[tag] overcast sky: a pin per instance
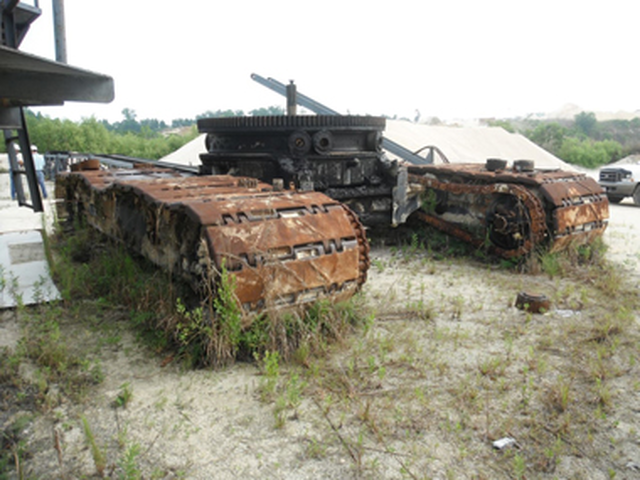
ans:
(445, 58)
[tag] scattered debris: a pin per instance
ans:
(506, 442)
(532, 303)
(633, 466)
(566, 313)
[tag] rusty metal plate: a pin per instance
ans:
(285, 281)
(576, 238)
(572, 219)
(578, 189)
(283, 248)
(267, 236)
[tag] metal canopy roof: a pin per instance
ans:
(28, 80)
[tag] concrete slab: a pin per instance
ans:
(24, 271)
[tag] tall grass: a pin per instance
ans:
(201, 331)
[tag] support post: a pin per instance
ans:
(59, 30)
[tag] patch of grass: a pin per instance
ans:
(422, 310)
(169, 314)
(418, 238)
(570, 260)
(124, 397)
(378, 264)
(492, 367)
(129, 463)
(270, 368)
(286, 396)
(57, 362)
(13, 449)
(558, 395)
(519, 467)
(97, 453)
(316, 449)
(551, 264)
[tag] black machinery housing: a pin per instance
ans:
(340, 156)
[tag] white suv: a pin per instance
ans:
(620, 182)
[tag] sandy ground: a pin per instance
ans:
(212, 424)
(623, 236)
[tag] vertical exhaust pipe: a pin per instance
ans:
(59, 31)
(291, 99)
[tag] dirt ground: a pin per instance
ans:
(447, 367)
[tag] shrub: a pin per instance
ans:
(589, 153)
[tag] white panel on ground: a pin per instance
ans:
(24, 271)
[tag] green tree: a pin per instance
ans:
(129, 124)
(93, 136)
(153, 124)
(506, 124)
(549, 136)
(268, 111)
(589, 153)
(586, 123)
(221, 113)
(182, 122)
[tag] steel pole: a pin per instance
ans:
(291, 99)
(59, 30)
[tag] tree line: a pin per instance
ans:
(582, 141)
(93, 136)
(144, 138)
(131, 124)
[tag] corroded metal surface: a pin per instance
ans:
(284, 248)
(533, 302)
(508, 215)
(340, 156)
(512, 211)
(509, 210)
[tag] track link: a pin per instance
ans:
(511, 212)
(284, 248)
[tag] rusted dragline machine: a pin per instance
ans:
(282, 202)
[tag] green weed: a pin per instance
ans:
(129, 463)
(13, 450)
(99, 457)
(270, 366)
(377, 263)
(168, 314)
(519, 466)
(124, 397)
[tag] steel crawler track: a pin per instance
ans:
(284, 248)
(512, 211)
